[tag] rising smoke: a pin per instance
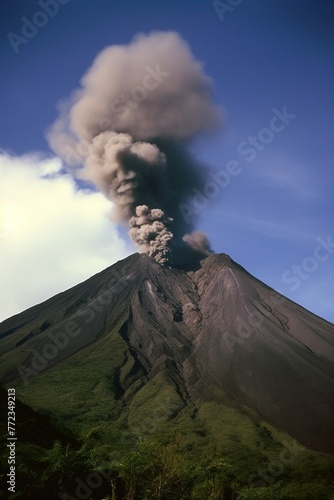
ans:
(128, 128)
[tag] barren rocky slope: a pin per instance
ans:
(214, 331)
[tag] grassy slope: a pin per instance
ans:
(84, 392)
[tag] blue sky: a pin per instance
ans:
(262, 56)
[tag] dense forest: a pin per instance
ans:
(174, 463)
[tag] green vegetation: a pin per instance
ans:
(155, 469)
(171, 451)
(93, 426)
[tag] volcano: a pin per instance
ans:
(212, 332)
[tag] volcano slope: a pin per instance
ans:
(140, 348)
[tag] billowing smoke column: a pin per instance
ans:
(128, 128)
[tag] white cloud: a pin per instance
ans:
(52, 236)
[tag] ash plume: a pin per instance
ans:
(127, 130)
(199, 241)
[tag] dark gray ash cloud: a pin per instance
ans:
(127, 130)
